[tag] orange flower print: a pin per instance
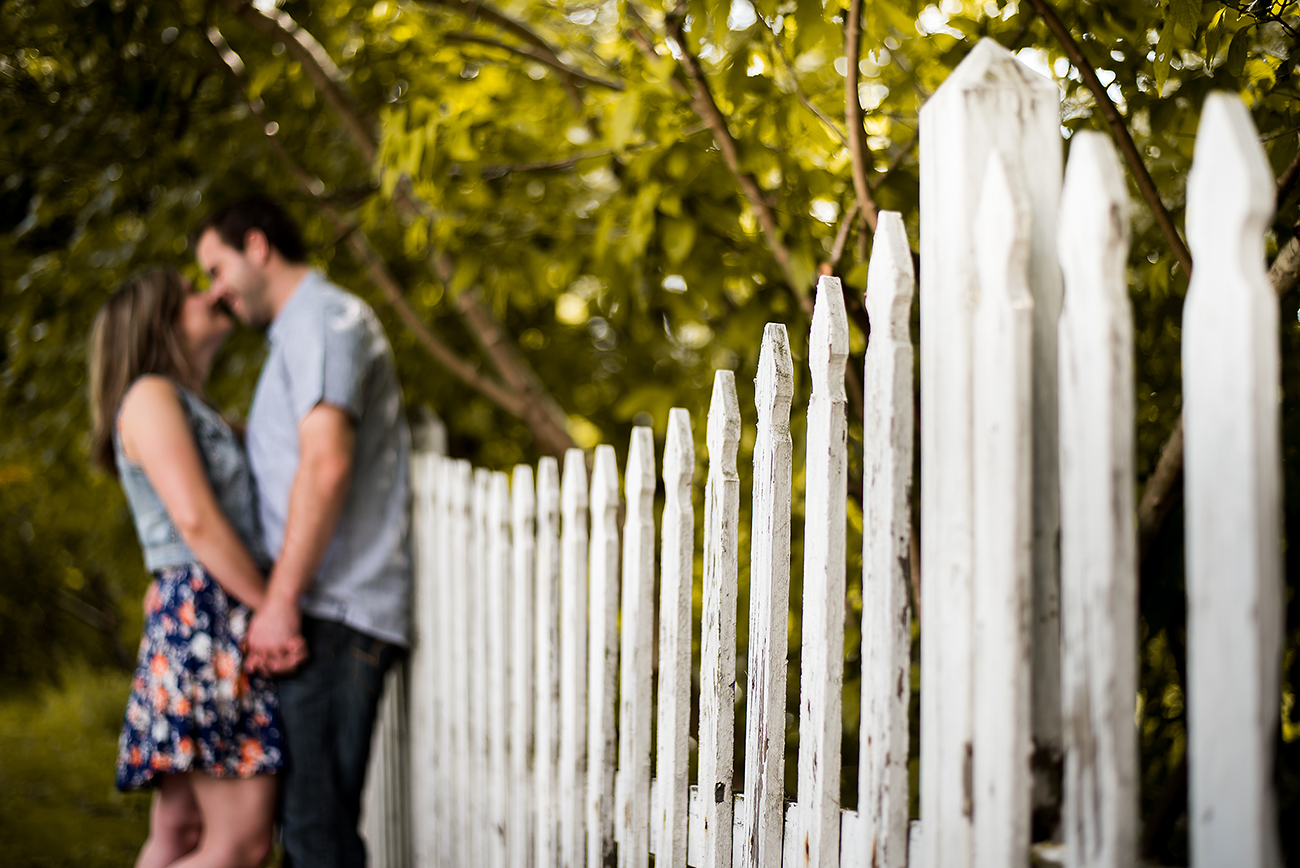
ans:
(186, 613)
(136, 757)
(158, 665)
(159, 698)
(242, 685)
(197, 582)
(161, 762)
(181, 705)
(224, 663)
(185, 747)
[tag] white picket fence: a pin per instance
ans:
(535, 622)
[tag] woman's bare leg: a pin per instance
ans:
(175, 823)
(237, 816)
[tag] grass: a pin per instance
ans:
(58, 806)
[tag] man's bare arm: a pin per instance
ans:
(326, 438)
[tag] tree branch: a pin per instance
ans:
(316, 63)
(502, 170)
(1140, 174)
(1286, 181)
(858, 151)
(547, 420)
(896, 162)
(572, 74)
(798, 91)
(547, 53)
(707, 110)
(513, 398)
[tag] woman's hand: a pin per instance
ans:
(275, 642)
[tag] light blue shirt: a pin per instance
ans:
(326, 346)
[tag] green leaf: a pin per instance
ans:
(622, 125)
(1214, 37)
(265, 76)
(467, 269)
(1237, 53)
(1187, 13)
(1164, 53)
(678, 237)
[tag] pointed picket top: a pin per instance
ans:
(828, 342)
(573, 488)
(604, 481)
(890, 279)
(640, 476)
(1230, 186)
(723, 434)
(548, 488)
(774, 385)
(1002, 235)
(523, 500)
(679, 452)
(1094, 218)
(990, 65)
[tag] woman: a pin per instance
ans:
(198, 730)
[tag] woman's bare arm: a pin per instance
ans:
(156, 435)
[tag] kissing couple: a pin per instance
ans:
(280, 557)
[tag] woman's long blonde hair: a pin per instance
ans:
(135, 333)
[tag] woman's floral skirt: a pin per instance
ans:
(192, 706)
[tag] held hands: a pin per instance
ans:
(275, 642)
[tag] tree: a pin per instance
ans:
(567, 214)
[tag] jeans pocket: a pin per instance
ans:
(370, 661)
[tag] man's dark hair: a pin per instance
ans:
(232, 223)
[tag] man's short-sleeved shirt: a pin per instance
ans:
(326, 346)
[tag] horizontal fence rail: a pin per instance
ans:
(547, 704)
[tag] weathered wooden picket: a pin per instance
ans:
(536, 673)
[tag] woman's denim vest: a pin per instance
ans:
(226, 465)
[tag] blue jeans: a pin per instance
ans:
(329, 708)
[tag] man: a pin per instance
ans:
(329, 447)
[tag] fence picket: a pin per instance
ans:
(1232, 476)
(990, 102)
(635, 654)
(547, 603)
(460, 558)
(426, 673)
(718, 631)
(825, 537)
(478, 661)
(676, 564)
(1002, 492)
(886, 523)
(769, 605)
(523, 670)
(499, 641)
(446, 684)
(573, 659)
(1098, 558)
(602, 741)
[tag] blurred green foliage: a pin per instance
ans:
(58, 806)
(599, 223)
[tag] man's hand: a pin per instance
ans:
(275, 642)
